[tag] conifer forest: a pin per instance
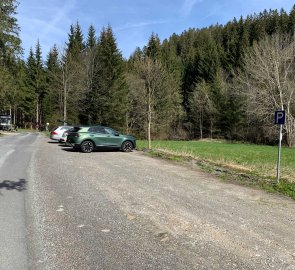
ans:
(220, 82)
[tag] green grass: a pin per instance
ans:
(26, 130)
(250, 163)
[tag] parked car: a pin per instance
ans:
(56, 133)
(87, 139)
(64, 136)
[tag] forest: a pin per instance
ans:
(220, 82)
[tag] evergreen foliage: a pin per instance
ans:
(109, 93)
(10, 43)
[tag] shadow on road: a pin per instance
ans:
(13, 185)
(67, 149)
(105, 150)
(64, 145)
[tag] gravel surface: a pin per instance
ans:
(114, 210)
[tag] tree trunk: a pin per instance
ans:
(65, 105)
(14, 115)
(149, 125)
(201, 124)
(37, 114)
(211, 129)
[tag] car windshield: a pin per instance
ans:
(65, 128)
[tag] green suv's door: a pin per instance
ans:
(113, 137)
(104, 137)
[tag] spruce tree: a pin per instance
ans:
(283, 21)
(152, 50)
(89, 60)
(36, 81)
(110, 89)
(291, 23)
(10, 50)
(91, 39)
(10, 43)
(73, 75)
(53, 100)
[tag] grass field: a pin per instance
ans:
(253, 159)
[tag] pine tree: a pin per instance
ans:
(110, 91)
(272, 22)
(230, 44)
(75, 43)
(73, 75)
(291, 23)
(24, 112)
(244, 40)
(91, 39)
(283, 21)
(10, 49)
(53, 100)
(89, 60)
(10, 43)
(152, 50)
(36, 81)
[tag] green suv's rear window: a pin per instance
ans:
(75, 129)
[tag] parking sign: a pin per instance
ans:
(280, 117)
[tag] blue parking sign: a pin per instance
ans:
(280, 117)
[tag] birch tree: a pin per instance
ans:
(202, 106)
(156, 94)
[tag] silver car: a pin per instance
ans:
(64, 136)
(56, 133)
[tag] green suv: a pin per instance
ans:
(90, 138)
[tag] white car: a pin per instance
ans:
(56, 134)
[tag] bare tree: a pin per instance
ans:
(202, 106)
(155, 93)
(268, 80)
(72, 83)
(5, 85)
(89, 62)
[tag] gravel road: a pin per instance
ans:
(114, 210)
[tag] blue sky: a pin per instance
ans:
(132, 21)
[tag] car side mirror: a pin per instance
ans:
(117, 134)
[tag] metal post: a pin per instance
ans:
(279, 154)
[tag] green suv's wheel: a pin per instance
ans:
(87, 146)
(127, 146)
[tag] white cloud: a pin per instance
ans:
(61, 14)
(188, 6)
(47, 22)
(139, 24)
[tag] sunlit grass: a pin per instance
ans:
(258, 159)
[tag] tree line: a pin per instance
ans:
(222, 81)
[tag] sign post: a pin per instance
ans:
(280, 118)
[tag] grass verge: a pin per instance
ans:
(245, 164)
